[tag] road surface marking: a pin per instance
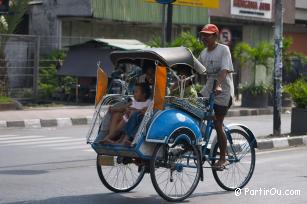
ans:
(18, 138)
(72, 147)
(39, 142)
(31, 140)
(8, 136)
(47, 142)
(64, 144)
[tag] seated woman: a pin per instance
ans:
(149, 76)
(139, 104)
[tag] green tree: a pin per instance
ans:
(8, 24)
(258, 55)
(49, 82)
(298, 91)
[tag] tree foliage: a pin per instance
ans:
(49, 82)
(298, 91)
(258, 55)
(185, 39)
(9, 22)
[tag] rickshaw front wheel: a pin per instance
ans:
(175, 170)
(119, 174)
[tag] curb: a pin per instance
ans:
(42, 123)
(253, 112)
(264, 144)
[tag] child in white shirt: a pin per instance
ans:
(140, 103)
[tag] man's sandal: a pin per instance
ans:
(220, 167)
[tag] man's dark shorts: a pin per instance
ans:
(222, 110)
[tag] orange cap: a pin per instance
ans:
(210, 29)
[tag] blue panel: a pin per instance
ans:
(168, 121)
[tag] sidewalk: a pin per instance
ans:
(81, 115)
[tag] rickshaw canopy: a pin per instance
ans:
(166, 56)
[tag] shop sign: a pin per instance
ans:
(252, 8)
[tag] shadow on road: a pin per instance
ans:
(107, 198)
(111, 198)
(210, 194)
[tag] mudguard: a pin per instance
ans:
(232, 126)
(245, 129)
(167, 122)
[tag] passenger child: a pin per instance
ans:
(140, 102)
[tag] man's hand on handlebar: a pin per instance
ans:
(218, 89)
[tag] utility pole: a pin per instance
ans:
(169, 22)
(163, 37)
(277, 76)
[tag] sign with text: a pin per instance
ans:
(252, 8)
(195, 3)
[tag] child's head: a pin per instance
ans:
(183, 70)
(141, 92)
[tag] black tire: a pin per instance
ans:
(121, 168)
(158, 162)
(222, 176)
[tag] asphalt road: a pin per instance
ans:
(262, 125)
(56, 166)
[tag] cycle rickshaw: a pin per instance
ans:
(175, 138)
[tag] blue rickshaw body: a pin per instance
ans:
(166, 122)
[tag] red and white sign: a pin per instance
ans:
(225, 36)
(252, 8)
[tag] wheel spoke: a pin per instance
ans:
(185, 176)
(120, 177)
(241, 155)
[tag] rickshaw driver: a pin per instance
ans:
(217, 59)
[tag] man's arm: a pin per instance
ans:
(221, 77)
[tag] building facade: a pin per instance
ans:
(298, 31)
(250, 21)
(66, 22)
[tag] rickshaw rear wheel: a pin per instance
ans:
(238, 173)
(121, 174)
(175, 167)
